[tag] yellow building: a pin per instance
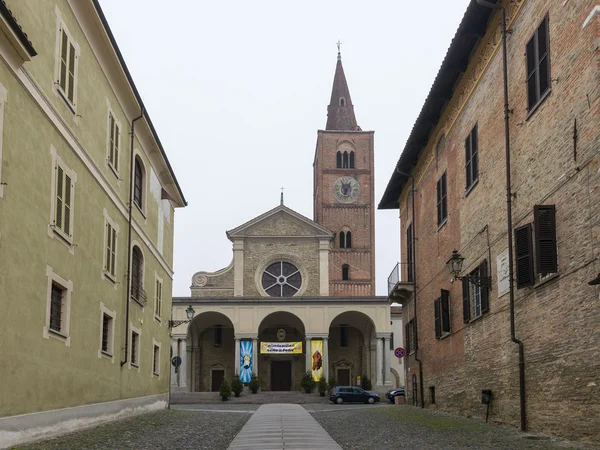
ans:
(87, 200)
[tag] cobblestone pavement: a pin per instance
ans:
(385, 427)
(247, 398)
(174, 429)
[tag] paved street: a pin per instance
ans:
(379, 426)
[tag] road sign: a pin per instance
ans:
(399, 352)
(176, 361)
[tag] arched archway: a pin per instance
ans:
(211, 351)
(281, 366)
(351, 348)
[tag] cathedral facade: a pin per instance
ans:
(299, 294)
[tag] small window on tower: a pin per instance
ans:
(339, 160)
(345, 158)
(345, 272)
(352, 160)
(342, 101)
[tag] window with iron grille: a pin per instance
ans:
(114, 137)
(107, 324)
(64, 188)
(137, 275)
(281, 279)
(538, 65)
(442, 204)
(344, 336)
(138, 183)
(156, 360)
(471, 156)
(110, 262)
(67, 66)
(56, 307)
(135, 343)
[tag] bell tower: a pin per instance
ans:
(344, 195)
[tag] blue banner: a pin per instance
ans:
(246, 361)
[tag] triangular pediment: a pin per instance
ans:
(280, 222)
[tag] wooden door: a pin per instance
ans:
(343, 377)
(281, 376)
(217, 377)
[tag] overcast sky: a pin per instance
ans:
(237, 91)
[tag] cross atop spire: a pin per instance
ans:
(339, 45)
(340, 112)
(281, 202)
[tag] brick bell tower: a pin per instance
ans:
(343, 193)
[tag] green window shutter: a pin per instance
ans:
(64, 42)
(71, 76)
(67, 205)
(466, 301)
(524, 256)
(437, 316)
(108, 237)
(445, 310)
(485, 290)
(545, 239)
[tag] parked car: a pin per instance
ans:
(341, 394)
(392, 394)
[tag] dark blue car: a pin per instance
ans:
(341, 394)
(392, 394)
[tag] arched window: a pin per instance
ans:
(349, 239)
(339, 160)
(138, 183)
(345, 272)
(352, 160)
(342, 101)
(345, 162)
(137, 275)
(342, 239)
(345, 239)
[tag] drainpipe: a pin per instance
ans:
(128, 287)
(509, 218)
(414, 273)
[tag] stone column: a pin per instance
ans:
(326, 358)
(237, 356)
(255, 356)
(307, 351)
(184, 364)
(387, 374)
(173, 373)
(378, 379)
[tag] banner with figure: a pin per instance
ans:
(246, 361)
(316, 352)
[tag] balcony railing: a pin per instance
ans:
(394, 277)
(400, 286)
(138, 294)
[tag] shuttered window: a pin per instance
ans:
(538, 65)
(445, 310)
(68, 59)
(437, 314)
(56, 308)
(138, 183)
(111, 250)
(466, 301)
(64, 197)
(107, 324)
(137, 276)
(135, 350)
(409, 254)
(158, 301)
(442, 204)
(546, 253)
(155, 360)
(476, 293)
(114, 137)
(472, 158)
(524, 256)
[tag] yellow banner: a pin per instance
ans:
(281, 347)
(316, 352)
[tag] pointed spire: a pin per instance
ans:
(340, 112)
(281, 202)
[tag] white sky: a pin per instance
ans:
(237, 91)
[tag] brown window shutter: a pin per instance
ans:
(485, 290)
(445, 310)
(437, 315)
(545, 239)
(466, 301)
(524, 256)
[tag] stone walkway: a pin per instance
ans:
(283, 426)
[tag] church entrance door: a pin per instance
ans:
(343, 377)
(217, 377)
(281, 375)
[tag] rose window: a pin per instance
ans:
(281, 279)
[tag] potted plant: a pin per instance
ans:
(225, 390)
(366, 383)
(254, 385)
(332, 382)
(236, 385)
(307, 382)
(322, 386)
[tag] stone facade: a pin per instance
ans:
(554, 161)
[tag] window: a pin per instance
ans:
(471, 156)
(114, 137)
(281, 279)
(158, 299)
(63, 205)
(546, 252)
(538, 65)
(107, 325)
(475, 293)
(342, 101)
(346, 239)
(442, 205)
(409, 254)
(218, 337)
(110, 257)
(138, 183)
(524, 256)
(345, 163)
(137, 276)
(67, 66)
(344, 336)
(156, 360)
(432, 394)
(135, 349)
(345, 272)
(442, 314)
(352, 160)
(339, 160)
(58, 308)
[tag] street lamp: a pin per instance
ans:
(190, 315)
(455, 264)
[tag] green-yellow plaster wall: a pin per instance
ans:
(41, 374)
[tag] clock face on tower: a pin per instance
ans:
(346, 189)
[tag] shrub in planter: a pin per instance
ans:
(307, 382)
(366, 383)
(322, 386)
(236, 385)
(332, 382)
(254, 385)
(225, 390)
